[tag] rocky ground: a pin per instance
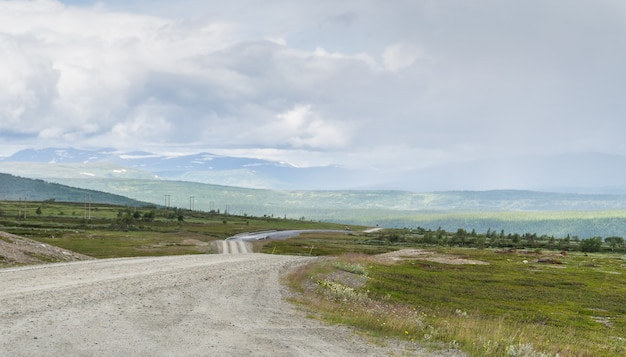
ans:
(16, 250)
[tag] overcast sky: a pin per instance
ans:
(387, 84)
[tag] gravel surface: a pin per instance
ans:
(197, 305)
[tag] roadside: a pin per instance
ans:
(16, 250)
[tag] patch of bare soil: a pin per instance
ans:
(348, 279)
(549, 258)
(16, 250)
(195, 242)
(421, 254)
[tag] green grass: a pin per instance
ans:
(95, 230)
(505, 308)
(324, 244)
(111, 244)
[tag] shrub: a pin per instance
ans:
(591, 245)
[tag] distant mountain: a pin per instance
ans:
(316, 204)
(13, 188)
(201, 167)
(587, 195)
(578, 173)
(559, 214)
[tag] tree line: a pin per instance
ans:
(494, 239)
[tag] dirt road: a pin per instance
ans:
(199, 305)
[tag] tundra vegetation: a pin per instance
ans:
(489, 293)
(109, 231)
(513, 297)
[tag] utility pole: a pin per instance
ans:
(85, 208)
(22, 209)
(192, 202)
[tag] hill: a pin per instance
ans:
(305, 202)
(558, 214)
(13, 188)
(247, 186)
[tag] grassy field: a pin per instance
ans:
(521, 303)
(108, 231)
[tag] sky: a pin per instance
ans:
(391, 85)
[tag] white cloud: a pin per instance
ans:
(400, 55)
(338, 81)
(302, 127)
(147, 123)
(27, 84)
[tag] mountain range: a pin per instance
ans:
(594, 205)
(259, 187)
(200, 167)
(572, 173)
(558, 214)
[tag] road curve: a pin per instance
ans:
(232, 247)
(198, 305)
(279, 235)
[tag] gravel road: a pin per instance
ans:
(198, 305)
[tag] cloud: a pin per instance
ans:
(148, 122)
(355, 81)
(302, 127)
(27, 85)
(400, 55)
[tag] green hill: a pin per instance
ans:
(14, 188)
(558, 214)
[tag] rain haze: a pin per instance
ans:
(387, 85)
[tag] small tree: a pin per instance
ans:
(614, 242)
(481, 242)
(591, 245)
(38, 211)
